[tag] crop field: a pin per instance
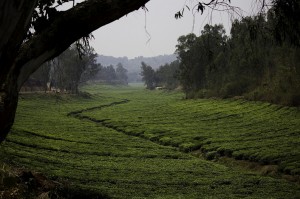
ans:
(127, 142)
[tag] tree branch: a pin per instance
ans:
(68, 27)
(15, 16)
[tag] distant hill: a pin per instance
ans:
(134, 65)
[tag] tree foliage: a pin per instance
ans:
(148, 76)
(249, 62)
(70, 69)
(165, 76)
(286, 20)
(110, 75)
(121, 74)
(200, 56)
(67, 71)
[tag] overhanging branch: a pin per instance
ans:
(68, 27)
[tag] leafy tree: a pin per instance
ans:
(42, 75)
(167, 75)
(148, 76)
(213, 43)
(198, 67)
(286, 21)
(186, 56)
(92, 68)
(70, 69)
(250, 46)
(111, 75)
(121, 74)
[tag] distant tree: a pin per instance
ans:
(108, 74)
(167, 75)
(214, 48)
(102, 74)
(92, 68)
(73, 67)
(42, 75)
(57, 74)
(111, 75)
(121, 74)
(69, 69)
(148, 76)
(186, 55)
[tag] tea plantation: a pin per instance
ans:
(127, 142)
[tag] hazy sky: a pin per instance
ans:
(129, 37)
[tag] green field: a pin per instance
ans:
(128, 142)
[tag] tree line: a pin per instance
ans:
(113, 75)
(250, 62)
(65, 72)
(71, 69)
(164, 76)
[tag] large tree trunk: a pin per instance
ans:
(8, 106)
(19, 60)
(15, 16)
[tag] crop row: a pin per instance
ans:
(104, 157)
(256, 131)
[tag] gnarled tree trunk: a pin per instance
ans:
(18, 59)
(8, 105)
(15, 16)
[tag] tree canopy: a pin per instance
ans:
(250, 62)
